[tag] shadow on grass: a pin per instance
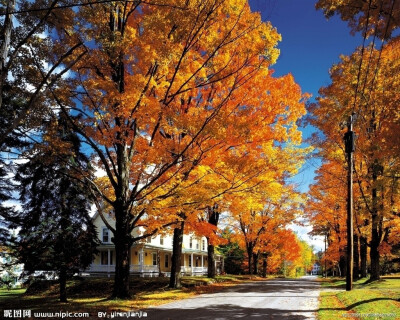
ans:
(354, 305)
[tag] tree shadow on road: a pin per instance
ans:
(228, 311)
(279, 285)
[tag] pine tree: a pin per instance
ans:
(56, 230)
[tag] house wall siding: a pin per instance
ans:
(147, 248)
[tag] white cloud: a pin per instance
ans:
(302, 231)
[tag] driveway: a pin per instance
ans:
(273, 299)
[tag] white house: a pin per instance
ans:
(8, 270)
(315, 269)
(152, 256)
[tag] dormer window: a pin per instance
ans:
(191, 243)
(106, 238)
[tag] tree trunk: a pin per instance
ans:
(175, 280)
(5, 47)
(356, 266)
(255, 263)
(342, 265)
(211, 261)
(63, 285)
(160, 273)
(213, 218)
(264, 268)
(249, 248)
(363, 256)
(375, 237)
(121, 280)
(122, 236)
(374, 255)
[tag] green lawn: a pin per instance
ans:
(368, 300)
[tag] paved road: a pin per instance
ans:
(273, 299)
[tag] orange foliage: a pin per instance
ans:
(377, 156)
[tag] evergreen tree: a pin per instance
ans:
(11, 144)
(233, 254)
(56, 230)
(5, 193)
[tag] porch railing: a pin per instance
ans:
(101, 268)
(145, 269)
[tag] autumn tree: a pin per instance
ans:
(326, 208)
(157, 82)
(376, 161)
(260, 218)
(373, 17)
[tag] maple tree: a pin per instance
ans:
(260, 217)
(161, 86)
(288, 254)
(373, 17)
(326, 209)
(376, 158)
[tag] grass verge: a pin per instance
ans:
(368, 300)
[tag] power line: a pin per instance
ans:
(362, 55)
(380, 51)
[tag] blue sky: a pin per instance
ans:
(310, 45)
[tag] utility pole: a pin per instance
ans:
(349, 148)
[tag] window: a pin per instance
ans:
(154, 259)
(106, 235)
(191, 243)
(204, 244)
(161, 241)
(140, 257)
(190, 261)
(197, 244)
(148, 239)
(166, 263)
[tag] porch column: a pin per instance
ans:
(141, 263)
(108, 262)
(202, 263)
(191, 260)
